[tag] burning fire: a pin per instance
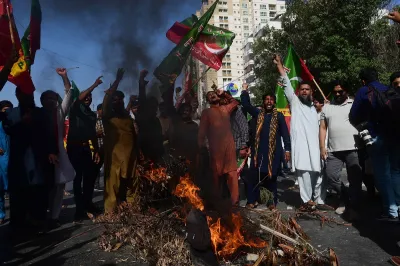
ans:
(186, 189)
(225, 242)
(156, 175)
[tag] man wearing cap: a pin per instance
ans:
(216, 127)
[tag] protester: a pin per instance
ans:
(132, 108)
(341, 150)
(165, 120)
(364, 115)
(267, 149)
(120, 149)
(150, 136)
(100, 140)
(64, 172)
(4, 156)
(215, 126)
(33, 149)
(82, 134)
(304, 140)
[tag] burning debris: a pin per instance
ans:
(191, 234)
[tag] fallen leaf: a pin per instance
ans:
(333, 258)
(117, 246)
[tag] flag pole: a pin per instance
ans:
(10, 24)
(202, 76)
(320, 90)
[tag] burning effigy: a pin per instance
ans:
(187, 231)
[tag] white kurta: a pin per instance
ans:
(64, 170)
(304, 132)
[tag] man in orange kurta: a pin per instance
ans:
(215, 125)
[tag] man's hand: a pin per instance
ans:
(120, 74)
(394, 15)
(287, 156)
(61, 71)
(98, 81)
(277, 60)
(143, 74)
(96, 158)
(1, 152)
(243, 153)
(324, 153)
(53, 159)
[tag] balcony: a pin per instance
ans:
(249, 63)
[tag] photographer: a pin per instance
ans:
(367, 116)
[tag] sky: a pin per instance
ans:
(78, 38)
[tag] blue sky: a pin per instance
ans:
(65, 43)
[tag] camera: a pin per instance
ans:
(364, 134)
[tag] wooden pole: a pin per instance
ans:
(202, 76)
(10, 24)
(320, 90)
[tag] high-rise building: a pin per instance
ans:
(242, 17)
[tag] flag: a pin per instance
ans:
(19, 75)
(297, 71)
(31, 40)
(171, 67)
(212, 45)
(75, 91)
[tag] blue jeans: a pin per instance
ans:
(385, 155)
(2, 205)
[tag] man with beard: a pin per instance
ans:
(216, 127)
(120, 149)
(341, 149)
(267, 148)
(304, 140)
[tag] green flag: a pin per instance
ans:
(171, 67)
(75, 91)
(297, 71)
(31, 41)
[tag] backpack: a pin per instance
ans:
(387, 109)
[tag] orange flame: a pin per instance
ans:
(156, 175)
(187, 189)
(225, 242)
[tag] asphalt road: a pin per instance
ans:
(367, 242)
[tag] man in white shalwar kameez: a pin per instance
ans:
(64, 172)
(304, 134)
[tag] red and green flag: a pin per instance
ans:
(297, 72)
(171, 67)
(31, 40)
(19, 75)
(211, 46)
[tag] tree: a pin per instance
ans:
(337, 38)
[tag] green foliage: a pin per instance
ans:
(337, 38)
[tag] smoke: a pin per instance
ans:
(128, 31)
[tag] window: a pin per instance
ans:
(272, 7)
(262, 7)
(244, 5)
(246, 35)
(272, 14)
(229, 79)
(245, 20)
(225, 26)
(246, 27)
(245, 13)
(221, 25)
(223, 10)
(282, 7)
(263, 14)
(264, 20)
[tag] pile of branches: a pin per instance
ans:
(287, 242)
(156, 238)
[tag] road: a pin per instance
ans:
(367, 242)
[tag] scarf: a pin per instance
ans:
(272, 137)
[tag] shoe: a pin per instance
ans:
(340, 210)
(388, 218)
(93, 209)
(395, 260)
(324, 207)
(350, 215)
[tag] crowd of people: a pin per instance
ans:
(360, 131)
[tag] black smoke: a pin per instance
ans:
(128, 31)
